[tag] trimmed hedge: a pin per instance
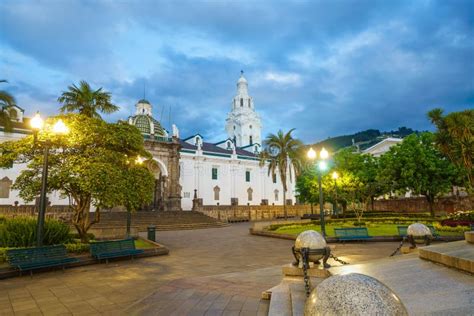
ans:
(21, 232)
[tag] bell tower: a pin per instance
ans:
(243, 124)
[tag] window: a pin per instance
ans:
(249, 102)
(229, 147)
(187, 195)
(276, 195)
(247, 176)
(197, 141)
(5, 185)
(251, 140)
(249, 194)
(214, 173)
(274, 176)
(13, 114)
(250, 126)
(241, 102)
(217, 192)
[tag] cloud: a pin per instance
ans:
(325, 67)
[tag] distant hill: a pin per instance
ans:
(363, 139)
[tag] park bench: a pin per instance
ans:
(114, 249)
(356, 233)
(402, 231)
(28, 259)
(311, 216)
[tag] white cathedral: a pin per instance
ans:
(222, 173)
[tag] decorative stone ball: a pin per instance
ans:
(418, 231)
(313, 240)
(353, 294)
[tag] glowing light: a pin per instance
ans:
(37, 122)
(139, 160)
(311, 154)
(60, 127)
(335, 175)
(322, 165)
(324, 154)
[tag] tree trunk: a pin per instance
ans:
(431, 205)
(81, 220)
(129, 222)
(312, 209)
(372, 203)
(284, 204)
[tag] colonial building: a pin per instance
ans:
(382, 147)
(189, 170)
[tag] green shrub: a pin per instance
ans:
(21, 232)
(77, 248)
(76, 236)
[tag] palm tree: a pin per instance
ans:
(86, 101)
(281, 152)
(6, 101)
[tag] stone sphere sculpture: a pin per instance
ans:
(419, 232)
(353, 294)
(313, 240)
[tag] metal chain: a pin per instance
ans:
(337, 259)
(398, 248)
(305, 258)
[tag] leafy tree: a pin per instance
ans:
(6, 101)
(416, 165)
(91, 165)
(307, 187)
(281, 151)
(455, 139)
(86, 101)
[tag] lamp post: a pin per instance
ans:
(322, 165)
(37, 124)
(335, 175)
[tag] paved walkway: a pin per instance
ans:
(208, 272)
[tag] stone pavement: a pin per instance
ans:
(209, 271)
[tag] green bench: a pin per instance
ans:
(28, 259)
(114, 249)
(402, 231)
(356, 233)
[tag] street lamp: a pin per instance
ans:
(37, 124)
(322, 166)
(335, 175)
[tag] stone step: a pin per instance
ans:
(298, 298)
(280, 303)
(457, 254)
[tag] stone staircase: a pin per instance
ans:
(177, 220)
(439, 285)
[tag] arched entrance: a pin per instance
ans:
(159, 170)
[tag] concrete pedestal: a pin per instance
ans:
(290, 270)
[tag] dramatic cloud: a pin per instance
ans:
(324, 67)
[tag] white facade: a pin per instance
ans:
(382, 147)
(243, 124)
(236, 174)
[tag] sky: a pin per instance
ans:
(326, 68)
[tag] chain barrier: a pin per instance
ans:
(398, 248)
(337, 259)
(305, 259)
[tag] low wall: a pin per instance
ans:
(56, 211)
(113, 232)
(419, 204)
(227, 213)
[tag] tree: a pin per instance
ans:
(91, 166)
(455, 139)
(416, 165)
(307, 187)
(6, 101)
(86, 101)
(281, 152)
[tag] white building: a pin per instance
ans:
(224, 173)
(382, 147)
(228, 172)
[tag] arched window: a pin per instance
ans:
(250, 126)
(197, 141)
(241, 102)
(229, 146)
(5, 185)
(249, 194)
(217, 192)
(276, 195)
(251, 140)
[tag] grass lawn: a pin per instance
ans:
(374, 230)
(140, 244)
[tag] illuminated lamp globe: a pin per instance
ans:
(37, 122)
(310, 239)
(353, 294)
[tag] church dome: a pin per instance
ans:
(144, 101)
(147, 125)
